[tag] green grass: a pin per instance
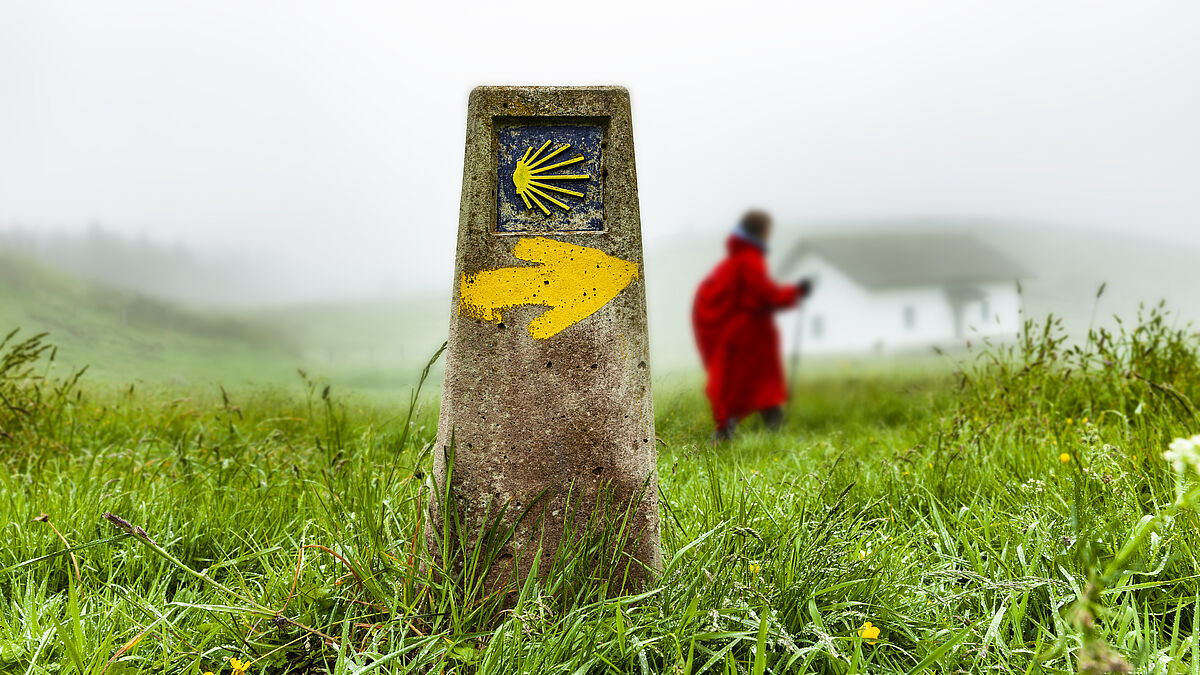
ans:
(283, 527)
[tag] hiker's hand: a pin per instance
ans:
(806, 286)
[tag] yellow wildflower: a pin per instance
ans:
(239, 666)
(868, 632)
(1064, 458)
(756, 568)
(1070, 421)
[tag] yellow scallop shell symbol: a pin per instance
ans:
(529, 177)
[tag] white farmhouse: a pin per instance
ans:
(899, 292)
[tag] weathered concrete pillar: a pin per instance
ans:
(546, 398)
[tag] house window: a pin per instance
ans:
(910, 317)
(818, 327)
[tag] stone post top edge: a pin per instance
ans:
(536, 96)
(504, 88)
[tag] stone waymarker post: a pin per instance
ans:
(546, 398)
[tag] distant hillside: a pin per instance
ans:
(366, 344)
(125, 336)
(1070, 265)
(144, 265)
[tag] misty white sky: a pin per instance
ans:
(328, 136)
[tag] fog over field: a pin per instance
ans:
(262, 154)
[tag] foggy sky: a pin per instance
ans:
(327, 137)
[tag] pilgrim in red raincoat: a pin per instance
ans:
(732, 317)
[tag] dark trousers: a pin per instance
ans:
(772, 419)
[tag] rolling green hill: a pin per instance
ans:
(125, 337)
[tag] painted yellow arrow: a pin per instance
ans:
(573, 281)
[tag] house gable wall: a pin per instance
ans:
(837, 318)
(855, 319)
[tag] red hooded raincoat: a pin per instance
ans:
(732, 317)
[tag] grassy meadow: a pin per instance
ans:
(1015, 515)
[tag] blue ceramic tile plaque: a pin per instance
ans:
(549, 178)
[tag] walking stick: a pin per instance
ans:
(794, 366)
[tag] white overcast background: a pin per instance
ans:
(327, 137)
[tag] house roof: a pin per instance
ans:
(880, 260)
